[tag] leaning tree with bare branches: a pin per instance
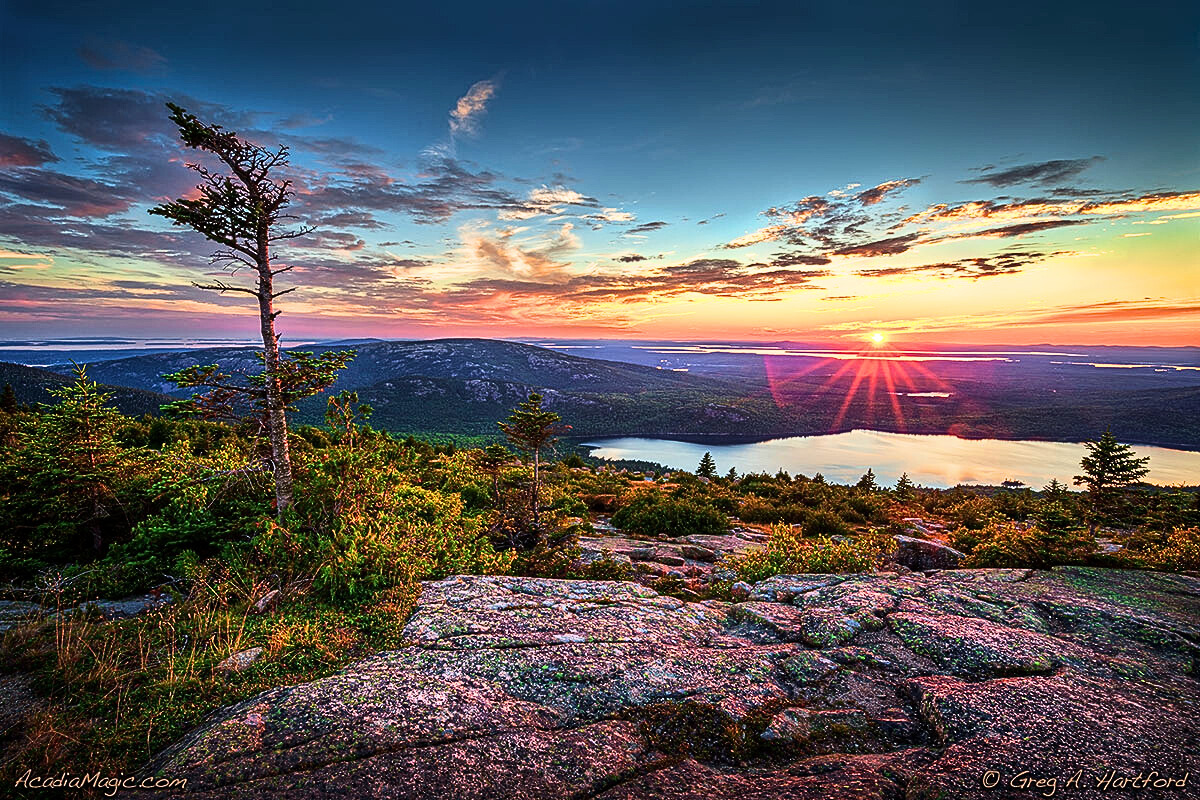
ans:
(242, 211)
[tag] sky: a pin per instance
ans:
(915, 172)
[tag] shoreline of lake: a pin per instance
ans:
(935, 460)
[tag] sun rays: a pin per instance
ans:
(872, 382)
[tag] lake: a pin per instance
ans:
(936, 461)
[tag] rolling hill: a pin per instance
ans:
(462, 386)
(33, 385)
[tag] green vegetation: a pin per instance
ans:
(1108, 468)
(679, 514)
(789, 551)
(241, 212)
(531, 429)
(96, 504)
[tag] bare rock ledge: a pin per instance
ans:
(817, 686)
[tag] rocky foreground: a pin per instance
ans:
(817, 686)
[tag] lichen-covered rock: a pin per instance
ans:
(240, 661)
(924, 554)
(814, 686)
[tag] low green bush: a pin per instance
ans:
(789, 552)
(652, 514)
(1177, 551)
(1016, 544)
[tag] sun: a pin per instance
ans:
(878, 338)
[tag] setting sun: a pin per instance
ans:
(878, 337)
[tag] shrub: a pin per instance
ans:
(1016, 544)
(358, 528)
(973, 513)
(757, 510)
(1179, 551)
(788, 552)
(651, 514)
(825, 523)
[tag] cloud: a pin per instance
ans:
(464, 117)
(548, 201)
(1045, 173)
(767, 234)
(881, 247)
(877, 194)
(546, 195)
(443, 187)
(608, 215)
(1112, 311)
(973, 268)
(539, 261)
(795, 259)
(1020, 229)
(647, 227)
(708, 276)
(856, 224)
(1025, 209)
(66, 194)
(18, 152)
(114, 54)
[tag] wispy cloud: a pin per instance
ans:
(647, 227)
(465, 116)
(974, 268)
(869, 224)
(1044, 173)
(1026, 209)
(115, 54)
(18, 152)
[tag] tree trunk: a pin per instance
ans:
(277, 430)
(537, 519)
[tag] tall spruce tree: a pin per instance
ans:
(1108, 469)
(708, 467)
(242, 212)
(531, 428)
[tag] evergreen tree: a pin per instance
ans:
(1054, 490)
(1108, 468)
(904, 487)
(71, 482)
(242, 212)
(8, 400)
(707, 468)
(490, 461)
(732, 475)
(867, 481)
(531, 428)
(818, 478)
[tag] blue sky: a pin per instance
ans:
(605, 156)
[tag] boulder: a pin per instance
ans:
(814, 686)
(241, 660)
(924, 554)
(266, 602)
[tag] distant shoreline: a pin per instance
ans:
(730, 438)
